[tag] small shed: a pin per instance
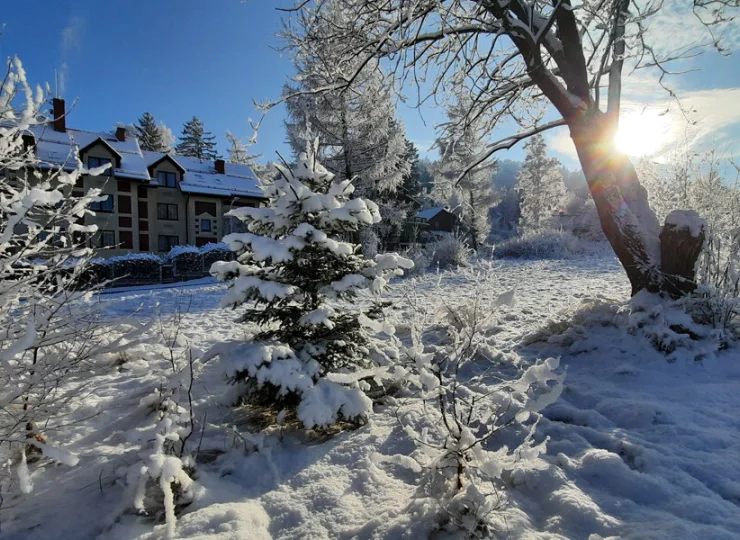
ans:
(438, 219)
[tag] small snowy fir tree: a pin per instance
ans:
(540, 185)
(196, 142)
(314, 351)
(151, 136)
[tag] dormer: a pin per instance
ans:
(98, 153)
(166, 171)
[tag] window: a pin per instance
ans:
(202, 207)
(205, 225)
(166, 243)
(124, 204)
(103, 206)
(167, 211)
(104, 239)
(93, 162)
(127, 239)
(167, 179)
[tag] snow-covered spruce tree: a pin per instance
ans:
(46, 333)
(470, 195)
(196, 142)
(314, 347)
(151, 136)
(361, 138)
(540, 186)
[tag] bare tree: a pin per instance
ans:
(47, 329)
(516, 59)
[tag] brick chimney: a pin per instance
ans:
(121, 133)
(220, 166)
(59, 123)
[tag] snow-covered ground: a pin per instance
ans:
(638, 447)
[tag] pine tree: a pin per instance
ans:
(151, 136)
(196, 142)
(361, 137)
(469, 194)
(298, 280)
(412, 180)
(540, 185)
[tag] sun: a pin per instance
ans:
(643, 133)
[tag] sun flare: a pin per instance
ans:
(643, 133)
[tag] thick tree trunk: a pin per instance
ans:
(681, 241)
(628, 222)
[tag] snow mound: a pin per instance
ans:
(686, 220)
(225, 521)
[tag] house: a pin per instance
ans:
(439, 221)
(155, 200)
(426, 225)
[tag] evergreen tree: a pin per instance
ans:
(469, 194)
(151, 136)
(412, 179)
(298, 280)
(361, 139)
(167, 138)
(196, 142)
(540, 185)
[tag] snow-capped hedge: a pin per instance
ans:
(548, 244)
(186, 260)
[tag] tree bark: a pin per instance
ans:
(628, 222)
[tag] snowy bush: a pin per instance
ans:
(449, 250)
(717, 299)
(420, 258)
(548, 244)
(161, 482)
(473, 430)
(47, 332)
(136, 266)
(314, 350)
(212, 253)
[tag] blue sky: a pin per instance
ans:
(212, 59)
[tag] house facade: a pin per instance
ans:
(155, 201)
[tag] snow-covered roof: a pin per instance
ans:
(201, 177)
(55, 149)
(429, 213)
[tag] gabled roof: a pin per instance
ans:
(56, 149)
(165, 157)
(201, 177)
(102, 141)
(429, 213)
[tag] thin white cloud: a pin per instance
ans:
(71, 40)
(676, 27)
(705, 119)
